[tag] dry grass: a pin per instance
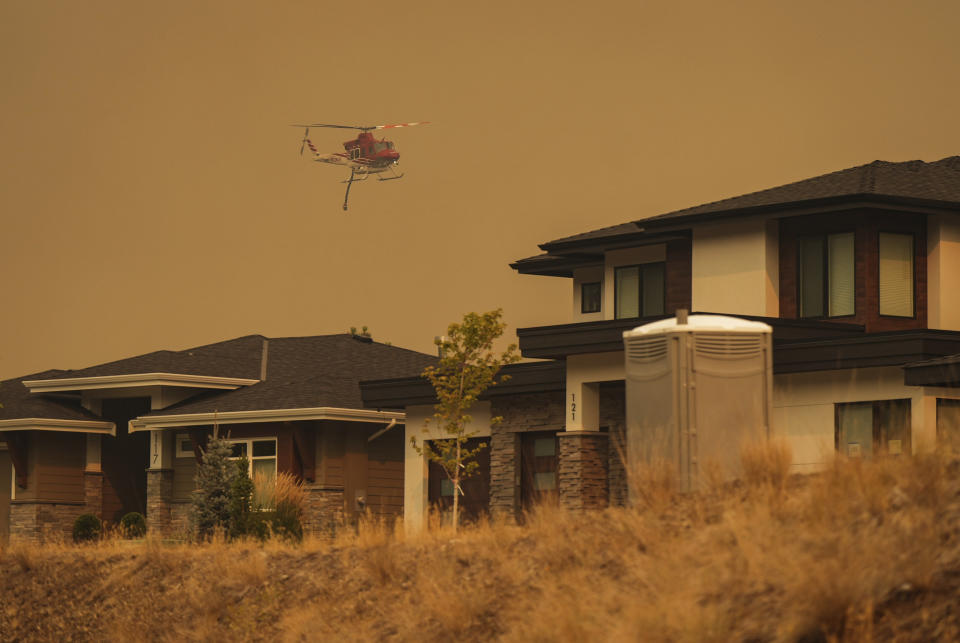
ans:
(862, 551)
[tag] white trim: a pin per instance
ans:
(136, 379)
(177, 442)
(148, 423)
(66, 426)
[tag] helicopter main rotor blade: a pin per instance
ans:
(400, 125)
(362, 128)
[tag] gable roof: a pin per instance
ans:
(909, 182)
(311, 372)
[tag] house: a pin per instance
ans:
(856, 271)
(127, 435)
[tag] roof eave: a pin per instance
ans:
(137, 379)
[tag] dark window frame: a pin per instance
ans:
(583, 299)
(913, 272)
(641, 267)
(823, 237)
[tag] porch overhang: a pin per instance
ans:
(156, 422)
(136, 380)
(53, 424)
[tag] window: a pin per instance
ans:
(865, 429)
(184, 446)
(590, 297)
(639, 291)
(948, 424)
(826, 275)
(896, 274)
(261, 455)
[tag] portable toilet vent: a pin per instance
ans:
(698, 389)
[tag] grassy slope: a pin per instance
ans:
(860, 552)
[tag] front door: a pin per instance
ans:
(540, 452)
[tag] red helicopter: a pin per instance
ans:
(364, 155)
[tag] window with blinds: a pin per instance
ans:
(639, 291)
(896, 274)
(826, 276)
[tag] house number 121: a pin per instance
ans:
(573, 406)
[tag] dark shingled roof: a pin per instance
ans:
(18, 402)
(936, 183)
(307, 372)
(238, 357)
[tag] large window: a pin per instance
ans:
(826, 275)
(865, 429)
(261, 455)
(896, 274)
(639, 291)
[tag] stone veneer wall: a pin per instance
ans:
(43, 522)
(159, 501)
(582, 475)
(520, 413)
(93, 493)
(181, 520)
(323, 510)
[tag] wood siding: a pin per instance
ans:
(866, 225)
(6, 475)
(679, 276)
(385, 473)
(184, 477)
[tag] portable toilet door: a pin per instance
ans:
(698, 391)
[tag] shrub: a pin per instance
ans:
(133, 525)
(86, 528)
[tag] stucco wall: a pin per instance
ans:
(803, 408)
(735, 268)
(943, 272)
(415, 472)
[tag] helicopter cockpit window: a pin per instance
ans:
(379, 147)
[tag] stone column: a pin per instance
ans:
(159, 497)
(504, 474)
(323, 510)
(583, 470)
(93, 478)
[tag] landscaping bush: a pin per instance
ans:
(133, 525)
(86, 528)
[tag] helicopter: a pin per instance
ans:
(364, 155)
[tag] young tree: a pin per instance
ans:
(216, 475)
(468, 367)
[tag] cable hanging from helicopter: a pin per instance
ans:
(364, 155)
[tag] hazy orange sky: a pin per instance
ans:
(152, 195)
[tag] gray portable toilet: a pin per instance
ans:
(698, 389)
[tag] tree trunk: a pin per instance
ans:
(456, 492)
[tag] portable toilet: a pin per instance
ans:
(698, 389)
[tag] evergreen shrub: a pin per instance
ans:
(86, 528)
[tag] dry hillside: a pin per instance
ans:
(863, 551)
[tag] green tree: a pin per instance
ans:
(216, 475)
(468, 367)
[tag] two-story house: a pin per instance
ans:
(857, 272)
